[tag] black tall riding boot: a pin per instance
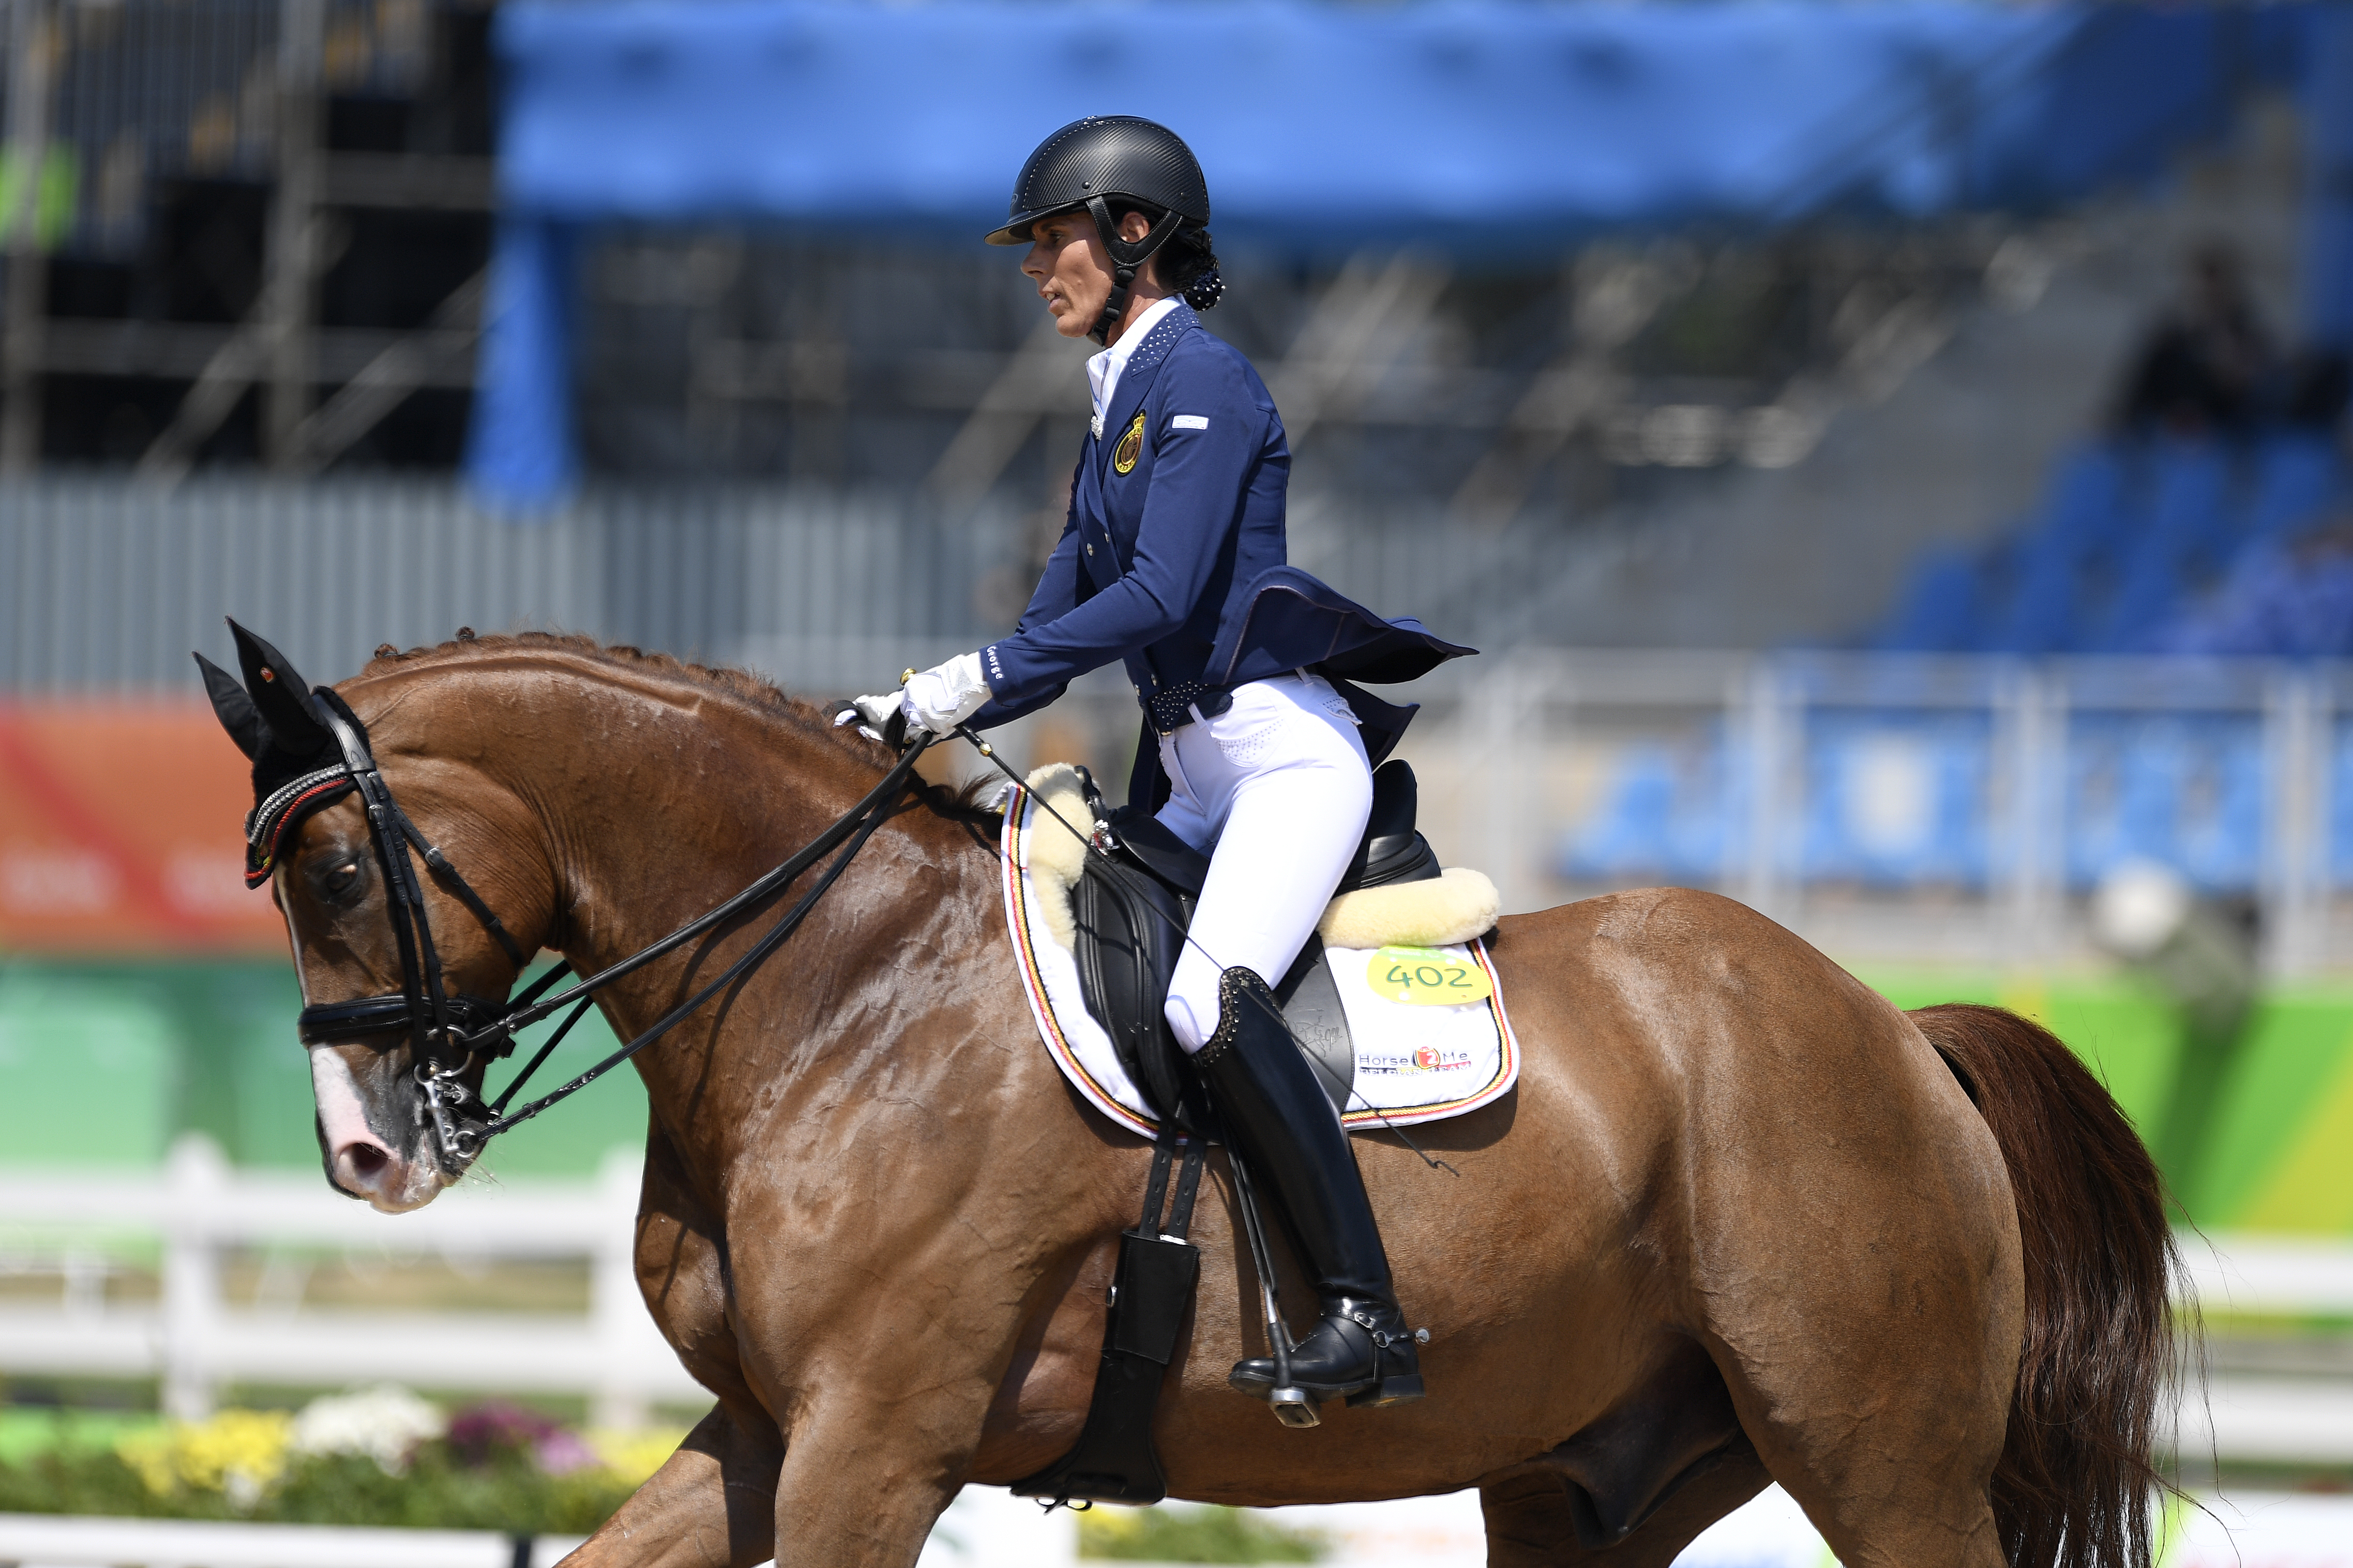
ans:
(1277, 1117)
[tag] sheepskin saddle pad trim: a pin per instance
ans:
(1414, 1063)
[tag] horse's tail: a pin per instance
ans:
(2074, 1483)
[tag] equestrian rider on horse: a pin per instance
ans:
(1257, 748)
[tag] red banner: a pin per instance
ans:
(122, 832)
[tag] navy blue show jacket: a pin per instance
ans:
(1177, 565)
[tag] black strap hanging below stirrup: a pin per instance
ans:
(1159, 1269)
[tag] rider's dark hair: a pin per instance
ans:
(1191, 268)
(1186, 265)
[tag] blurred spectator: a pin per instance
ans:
(2319, 385)
(2291, 598)
(2205, 366)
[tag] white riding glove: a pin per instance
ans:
(937, 700)
(945, 696)
(872, 713)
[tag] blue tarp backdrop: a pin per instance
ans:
(1479, 126)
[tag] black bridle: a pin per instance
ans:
(447, 1033)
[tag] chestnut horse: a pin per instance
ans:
(1743, 1221)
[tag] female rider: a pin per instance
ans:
(1256, 748)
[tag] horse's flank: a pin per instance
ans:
(1737, 1223)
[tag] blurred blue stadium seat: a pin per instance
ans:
(2120, 797)
(2340, 806)
(2296, 479)
(2149, 588)
(1944, 608)
(1897, 800)
(2189, 493)
(2085, 512)
(2127, 540)
(1667, 816)
(1628, 834)
(2046, 610)
(2222, 838)
(2185, 791)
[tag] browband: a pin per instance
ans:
(287, 805)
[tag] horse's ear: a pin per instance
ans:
(296, 721)
(234, 710)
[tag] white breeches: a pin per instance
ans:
(1276, 789)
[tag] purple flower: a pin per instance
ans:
(481, 1432)
(561, 1452)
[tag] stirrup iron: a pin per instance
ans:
(1290, 1403)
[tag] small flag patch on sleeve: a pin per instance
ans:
(1189, 422)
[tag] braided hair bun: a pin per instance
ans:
(1191, 268)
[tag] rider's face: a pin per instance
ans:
(1071, 269)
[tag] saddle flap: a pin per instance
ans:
(1312, 1007)
(1130, 929)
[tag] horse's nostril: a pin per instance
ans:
(367, 1160)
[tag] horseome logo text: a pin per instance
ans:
(1421, 1059)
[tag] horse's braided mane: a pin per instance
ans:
(754, 690)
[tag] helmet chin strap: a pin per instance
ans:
(1126, 259)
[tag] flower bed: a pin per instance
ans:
(375, 1457)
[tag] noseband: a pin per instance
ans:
(446, 1034)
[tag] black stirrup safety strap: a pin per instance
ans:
(448, 1033)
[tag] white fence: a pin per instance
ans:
(43, 1541)
(194, 1340)
(985, 1527)
(2240, 1417)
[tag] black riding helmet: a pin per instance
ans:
(1103, 159)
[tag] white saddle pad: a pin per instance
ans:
(1415, 1062)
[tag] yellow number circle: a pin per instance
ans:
(1422, 977)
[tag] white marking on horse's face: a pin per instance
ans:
(359, 1159)
(342, 1113)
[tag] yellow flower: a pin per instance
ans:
(149, 1455)
(1103, 1531)
(238, 1453)
(633, 1456)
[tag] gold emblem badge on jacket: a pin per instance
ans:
(1129, 447)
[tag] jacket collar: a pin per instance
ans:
(1142, 369)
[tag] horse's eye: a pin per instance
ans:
(340, 880)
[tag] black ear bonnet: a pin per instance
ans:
(280, 723)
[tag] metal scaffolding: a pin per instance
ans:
(238, 93)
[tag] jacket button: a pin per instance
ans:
(1091, 550)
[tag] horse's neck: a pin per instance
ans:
(680, 808)
(695, 805)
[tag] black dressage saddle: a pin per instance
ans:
(1132, 911)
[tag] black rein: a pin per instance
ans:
(448, 1032)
